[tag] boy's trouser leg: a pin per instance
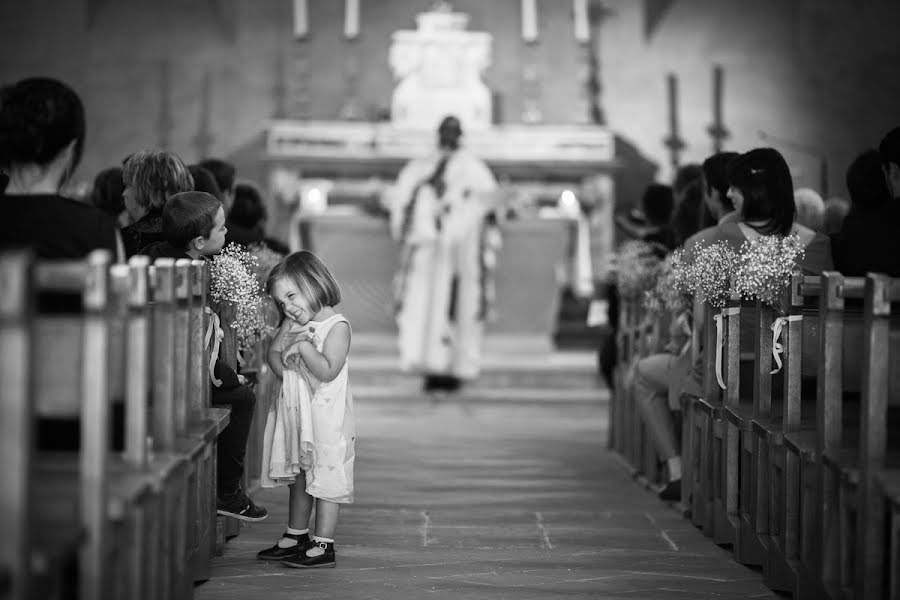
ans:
(233, 440)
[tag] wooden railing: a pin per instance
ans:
(797, 471)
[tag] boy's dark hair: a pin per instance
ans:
(889, 148)
(449, 132)
(715, 176)
(188, 215)
(39, 117)
(311, 277)
(204, 181)
(763, 177)
(866, 182)
(248, 208)
(222, 171)
(657, 204)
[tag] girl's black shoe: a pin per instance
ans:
(276, 552)
(318, 561)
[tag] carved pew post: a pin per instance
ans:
(16, 416)
(706, 417)
(870, 539)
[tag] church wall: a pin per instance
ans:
(821, 74)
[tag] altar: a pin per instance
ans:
(330, 180)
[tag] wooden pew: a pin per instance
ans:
(704, 414)
(92, 490)
(873, 573)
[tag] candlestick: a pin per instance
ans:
(301, 26)
(582, 25)
(351, 19)
(529, 20)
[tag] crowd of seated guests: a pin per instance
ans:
(153, 204)
(747, 196)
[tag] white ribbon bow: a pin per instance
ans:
(778, 347)
(720, 340)
(215, 334)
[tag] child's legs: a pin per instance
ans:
(301, 504)
(326, 518)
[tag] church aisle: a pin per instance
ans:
(496, 500)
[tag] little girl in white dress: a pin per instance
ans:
(309, 442)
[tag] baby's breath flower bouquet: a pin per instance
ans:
(669, 294)
(765, 267)
(636, 267)
(710, 276)
(236, 294)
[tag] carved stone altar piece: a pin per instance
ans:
(439, 68)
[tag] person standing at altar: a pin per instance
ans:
(443, 213)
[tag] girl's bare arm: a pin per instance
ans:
(326, 365)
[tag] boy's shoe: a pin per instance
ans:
(671, 492)
(318, 561)
(241, 507)
(276, 552)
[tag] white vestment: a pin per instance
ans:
(443, 286)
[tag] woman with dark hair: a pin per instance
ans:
(42, 130)
(443, 213)
(868, 239)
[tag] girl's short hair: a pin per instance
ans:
(311, 277)
(39, 117)
(764, 179)
(188, 215)
(154, 176)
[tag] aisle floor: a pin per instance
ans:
(457, 499)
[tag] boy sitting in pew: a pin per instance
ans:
(194, 227)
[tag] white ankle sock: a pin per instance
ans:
(286, 542)
(674, 467)
(318, 550)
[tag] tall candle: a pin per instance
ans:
(673, 104)
(301, 25)
(351, 19)
(582, 25)
(529, 20)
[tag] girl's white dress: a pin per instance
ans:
(310, 427)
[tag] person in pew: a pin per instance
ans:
(655, 228)
(107, 194)
(309, 442)
(150, 178)
(205, 182)
(249, 214)
(193, 225)
(868, 240)
(761, 188)
(42, 133)
(715, 196)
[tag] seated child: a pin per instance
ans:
(194, 227)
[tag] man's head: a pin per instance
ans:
(449, 133)
(195, 221)
(224, 174)
(889, 150)
(715, 183)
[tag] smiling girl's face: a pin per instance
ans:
(292, 301)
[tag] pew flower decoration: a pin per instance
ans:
(669, 293)
(636, 267)
(765, 266)
(236, 294)
(710, 277)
